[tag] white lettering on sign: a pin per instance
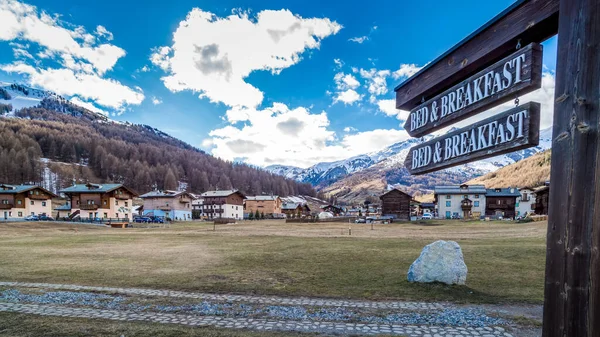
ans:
(471, 140)
(480, 88)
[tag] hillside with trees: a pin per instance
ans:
(71, 144)
(529, 172)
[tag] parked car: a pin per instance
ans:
(455, 216)
(158, 219)
(360, 220)
(143, 219)
(32, 218)
(427, 216)
(45, 218)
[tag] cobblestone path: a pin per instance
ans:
(326, 327)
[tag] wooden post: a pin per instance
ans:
(572, 286)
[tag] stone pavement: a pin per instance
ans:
(340, 328)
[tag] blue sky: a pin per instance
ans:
(265, 82)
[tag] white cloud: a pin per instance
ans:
(217, 61)
(377, 82)
(84, 62)
(143, 69)
(338, 63)
(406, 70)
(24, 22)
(374, 140)
(66, 82)
(156, 101)
(350, 129)
(90, 106)
(359, 39)
(347, 97)
(388, 107)
(102, 31)
(346, 85)
(280, 135)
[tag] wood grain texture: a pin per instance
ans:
(531, 138)
(529, 21)
(572, 285)
(531, 75)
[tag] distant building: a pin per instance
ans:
(176, 205)
(541, 200)
(295, 209)
(335, 210)
(501, 202)
(427, 208)
(396, 204)
(223, 204)
(460, 201)
(525, 201)
(107, 201)
(269, 205)
(19, 201)
(197, 207)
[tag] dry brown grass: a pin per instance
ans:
(272, 257)
(529, 172)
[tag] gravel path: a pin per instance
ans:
(252, 312)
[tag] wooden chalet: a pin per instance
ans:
(396, 204)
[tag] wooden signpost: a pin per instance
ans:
(572, 284)
(512, 130)
(515, 75)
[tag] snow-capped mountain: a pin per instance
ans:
(15, 96)
(393, 156)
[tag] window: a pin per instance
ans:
(90, 202)
(117, 215)
(30, 192)
(448, 215)
(465, 196)
(499, 202)
(37, 192)
(20, 214)
(116, 202)
(448, 203)
(32, 213)
(126, 203)
(476, 196)
(44, 203)
(448, 197)
(105, 215)
(19, 202)
(104, 202)
(476, 203)
(5, 202)
(32, 202)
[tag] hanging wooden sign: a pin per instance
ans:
(512, 130)
(515, 75)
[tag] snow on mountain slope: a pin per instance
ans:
(393, 156)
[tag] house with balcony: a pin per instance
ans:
(228, 204)
(460, 201)
(501, 202)
(100, 201)
(295, 209)
(19, 201)
(525, 202)
(269, 205)
(174, 205)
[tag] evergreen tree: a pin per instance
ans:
(257, 215)
(170, 180)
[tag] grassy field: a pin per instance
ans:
(505, 260)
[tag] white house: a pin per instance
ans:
(223, 204)
(525, 201)
(460, 201)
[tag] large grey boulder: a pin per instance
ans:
(441, 261)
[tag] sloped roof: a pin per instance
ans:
(503, 192)
(456, 189)
(290, 205)
(14, 189)
(263, 198)
(222, 193)
(394, 190)
(165, 194)
(94, 188)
